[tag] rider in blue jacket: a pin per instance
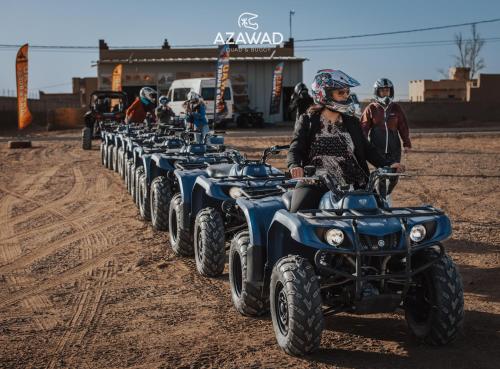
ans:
(196, 115)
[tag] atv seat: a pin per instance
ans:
(287, 199)
(219, 170)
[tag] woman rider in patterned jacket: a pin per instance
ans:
(329, 137)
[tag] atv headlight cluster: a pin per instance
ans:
(235, 192)
(417, 233)
(334, 237)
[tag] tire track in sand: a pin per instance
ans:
(86, 315)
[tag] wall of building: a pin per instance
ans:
(41, 109)
(83, 87)
(486, 88)
(445, 89)
(443, 113)
(8, 112)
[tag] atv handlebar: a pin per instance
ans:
(380, 173)
(273, 150)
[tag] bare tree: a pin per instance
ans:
(468, 52)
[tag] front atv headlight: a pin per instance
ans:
(334, 237)
(417, 233)
(235, 192)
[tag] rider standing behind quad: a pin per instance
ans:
(300, 99)
(329, 137)
(144, 104)
(196, 117)
(163, 112)
(384, 122)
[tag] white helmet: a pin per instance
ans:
(163, 100)
(148, 95)
(193, 96)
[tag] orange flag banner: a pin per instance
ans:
(116, 80)
(23, 113)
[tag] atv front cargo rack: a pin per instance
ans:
(270, 177)
(357, 252)
(346, 214)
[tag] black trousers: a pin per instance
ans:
(307, 196)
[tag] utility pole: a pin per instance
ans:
(292, 12)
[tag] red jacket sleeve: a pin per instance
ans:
(404, 131)
(366, 120)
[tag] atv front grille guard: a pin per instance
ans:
(358, 252)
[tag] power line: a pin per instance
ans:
(388, 46)
(399, 32)
(392, 43)
(87, 48)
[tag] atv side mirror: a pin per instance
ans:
(309, 170)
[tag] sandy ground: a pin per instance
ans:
(84, 283)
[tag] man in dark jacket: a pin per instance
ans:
(300, 99)
(384, 122)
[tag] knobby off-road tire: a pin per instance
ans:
(115, 159)
(295, 300)
(144, 202)
(160, 196)
(180, 239)
(103, 153)
(121, 162)
(128, 171)
(247, 298)
(86, 138)
(435, 311)
(209, 242)
(109, 157)
(139, 171)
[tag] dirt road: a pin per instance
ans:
(85, 283)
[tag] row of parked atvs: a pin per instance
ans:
(354, 255)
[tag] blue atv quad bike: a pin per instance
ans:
(136, 137)
(156, 183)
(352, 254)
(141, 158)
(204, 213)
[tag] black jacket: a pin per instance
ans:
(301, 103)
(308, 125)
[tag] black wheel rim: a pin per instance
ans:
(237, 274)
(281, 308)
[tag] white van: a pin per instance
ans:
(205, 87)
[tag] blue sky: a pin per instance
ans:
(57, 22)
